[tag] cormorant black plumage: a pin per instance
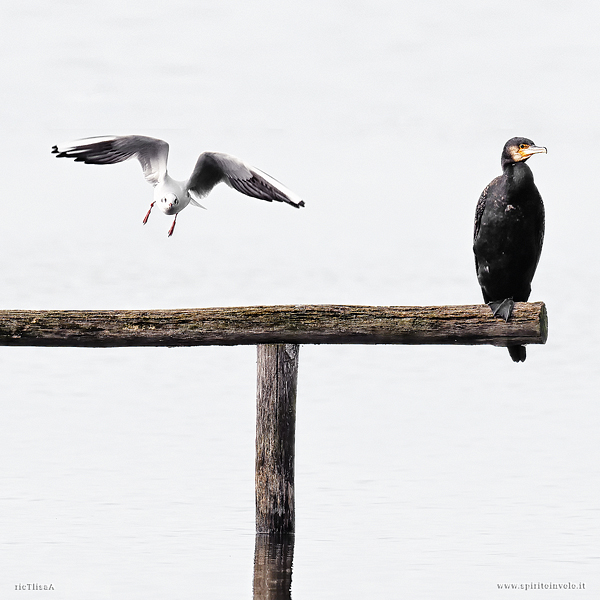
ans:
(509, 232)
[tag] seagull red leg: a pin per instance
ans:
(148, 213)
(172, 226)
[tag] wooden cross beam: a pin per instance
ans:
(294, 324)
(277, 332)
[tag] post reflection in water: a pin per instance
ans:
(273, 557)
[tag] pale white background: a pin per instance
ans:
(422, 472)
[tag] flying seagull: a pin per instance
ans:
(173, 196)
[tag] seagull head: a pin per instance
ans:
(169, 204)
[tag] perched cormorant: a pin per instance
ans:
(509, 232)
(173, 196)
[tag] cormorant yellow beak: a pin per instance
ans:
(530, 150)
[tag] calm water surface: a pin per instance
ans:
(433, 472)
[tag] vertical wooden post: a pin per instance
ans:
(277, 380)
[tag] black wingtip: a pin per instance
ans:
(300, 204)
(60, 153)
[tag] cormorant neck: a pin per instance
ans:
(518, 174)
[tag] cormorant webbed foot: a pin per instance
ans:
(502, 308)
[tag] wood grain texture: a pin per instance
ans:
(277, 379)
(299, 324)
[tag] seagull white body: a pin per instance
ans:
(173, 196)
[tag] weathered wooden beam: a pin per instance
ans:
(298, 324)
(277, 381)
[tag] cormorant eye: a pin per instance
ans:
(523, 146)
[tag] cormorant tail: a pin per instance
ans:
(517, 353)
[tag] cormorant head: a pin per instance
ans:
(519, 149)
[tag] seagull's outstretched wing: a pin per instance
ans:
(107, 150)
(214, 167)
